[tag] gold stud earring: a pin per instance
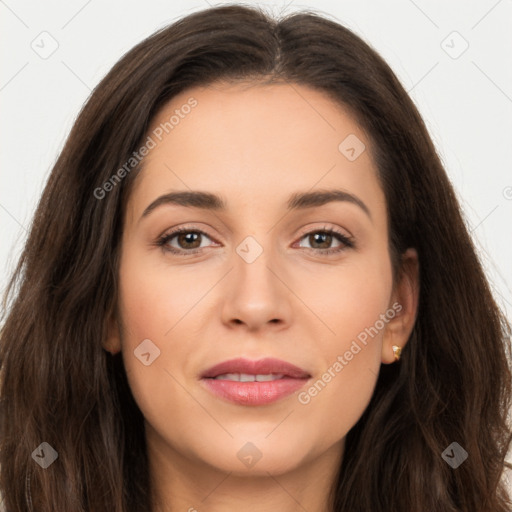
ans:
(397, 351)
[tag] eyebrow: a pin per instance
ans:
(214, 202)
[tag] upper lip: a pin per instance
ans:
(259, 367)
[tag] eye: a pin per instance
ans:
(188, 240)
(324, 238)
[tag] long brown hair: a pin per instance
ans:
(59, 386)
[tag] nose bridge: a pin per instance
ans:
(256, 255)
(256, 295)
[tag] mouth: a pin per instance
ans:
(247, 382)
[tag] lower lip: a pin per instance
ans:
(254, 393)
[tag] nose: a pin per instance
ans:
(257, 293)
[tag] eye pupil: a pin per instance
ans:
(185, 237)
(326, 236)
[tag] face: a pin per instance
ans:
(263, 272)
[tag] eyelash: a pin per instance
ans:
(347, 242)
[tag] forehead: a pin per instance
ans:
(254, 143)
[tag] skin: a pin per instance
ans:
(255, 146)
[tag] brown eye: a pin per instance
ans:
(188, 240)
(183, 241)
(321, 241)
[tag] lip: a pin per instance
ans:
(261, 366)
(254, 393)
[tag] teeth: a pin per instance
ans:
(269, 377)
(246, 377)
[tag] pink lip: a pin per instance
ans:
(261, 366)
(255, 393)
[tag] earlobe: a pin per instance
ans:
(404, 301)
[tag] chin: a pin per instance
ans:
(257, 458)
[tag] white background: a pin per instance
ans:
(466, 101)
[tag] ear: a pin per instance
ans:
(404, 302)
(112, 342)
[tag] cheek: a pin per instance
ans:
(352, 312)
(349, 299)
(150, 307)
(153, 300)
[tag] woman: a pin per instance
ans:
(329, 340)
